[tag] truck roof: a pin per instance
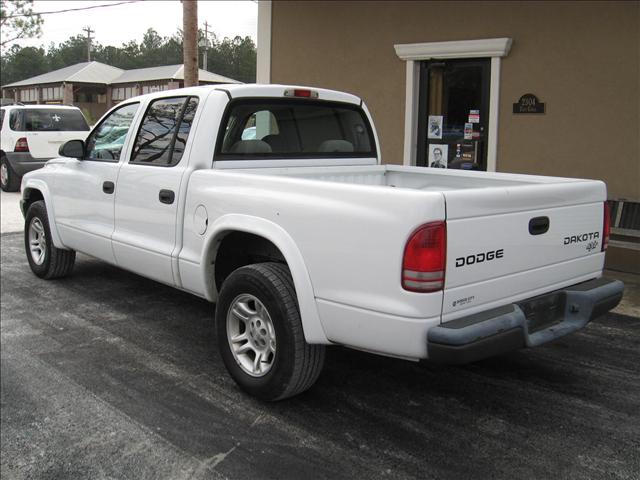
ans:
(259, 90)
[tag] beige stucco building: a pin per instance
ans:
(412, 62)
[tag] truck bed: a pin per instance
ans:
(466, 193)
(416, 178)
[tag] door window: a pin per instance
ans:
(164, 131)
(453, 125)
(107, 139)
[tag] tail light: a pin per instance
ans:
(606, 226)
(21, 145)
(424, 259)
(300, 92)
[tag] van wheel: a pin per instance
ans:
(260, 333)
(9, 180)
(45, 260)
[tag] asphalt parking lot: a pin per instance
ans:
(108, 375)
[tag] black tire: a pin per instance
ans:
(296, 364)
(11, 181)
(56, 263)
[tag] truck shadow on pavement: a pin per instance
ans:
(148, 352)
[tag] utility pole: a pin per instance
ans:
(89, 32)
(190, 42)
(206, 45)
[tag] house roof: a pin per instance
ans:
(167, 72)
(96, 72)
(85, 72)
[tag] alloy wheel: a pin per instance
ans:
(251, 335)
(37, 241)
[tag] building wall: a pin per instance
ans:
(581, 59)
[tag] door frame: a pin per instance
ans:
(413, 53)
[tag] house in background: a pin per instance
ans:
(95, 87)
(548, 88)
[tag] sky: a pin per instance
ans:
(117, 24)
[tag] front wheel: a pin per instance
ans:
(260, 333)
(45, 260)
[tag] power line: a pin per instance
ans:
(72, 9)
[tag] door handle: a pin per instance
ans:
(108, 187)
(538, 225)
(167, 196)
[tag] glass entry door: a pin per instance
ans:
(453, 114)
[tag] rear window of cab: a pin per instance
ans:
(271, 128)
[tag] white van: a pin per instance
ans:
(31, 135)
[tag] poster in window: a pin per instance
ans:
(438, 154)
(435, 127)
(468, 131)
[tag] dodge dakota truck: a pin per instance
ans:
(272, 202)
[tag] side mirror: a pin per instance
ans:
(72, 149)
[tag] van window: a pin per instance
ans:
(294, 128)
(48, 120)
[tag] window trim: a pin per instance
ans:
(173, 140)
(119, 107)
(218, 156)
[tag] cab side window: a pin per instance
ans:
(106, 141)
(164, 131)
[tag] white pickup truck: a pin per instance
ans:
(272, 202)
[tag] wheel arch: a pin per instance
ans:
(266, 233)
(34, 190)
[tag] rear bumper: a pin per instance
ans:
(23, 162)
(528, 323)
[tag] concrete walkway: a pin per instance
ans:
(12, 220)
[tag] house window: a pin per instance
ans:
(51, 94)
(117, 93)
(29, 95)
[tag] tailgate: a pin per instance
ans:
(506, 244)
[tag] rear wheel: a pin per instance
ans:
(45, 260)
(260, 333)
(9, 180)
